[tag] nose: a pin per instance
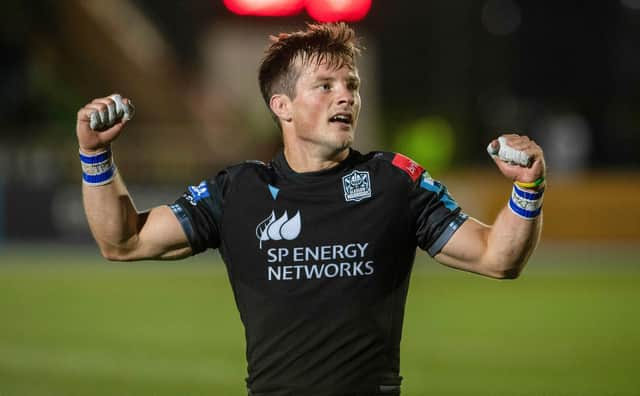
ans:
(346, 96)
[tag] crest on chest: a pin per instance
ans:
(356, 186)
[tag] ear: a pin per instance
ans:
(280, 104)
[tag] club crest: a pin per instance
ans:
(357, 186)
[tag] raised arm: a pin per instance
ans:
(503, 249)
(121, 232)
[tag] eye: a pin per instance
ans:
(325, 87)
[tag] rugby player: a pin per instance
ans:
(318, 243)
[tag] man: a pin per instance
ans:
(318, 243)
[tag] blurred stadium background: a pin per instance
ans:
(441, 79)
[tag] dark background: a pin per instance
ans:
(441, 79)
(439, 57)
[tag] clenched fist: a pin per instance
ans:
(101, 121)
(518, 158)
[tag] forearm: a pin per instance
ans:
(510, 241)
(112, 216)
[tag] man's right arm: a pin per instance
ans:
(121, 232)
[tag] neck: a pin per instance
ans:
(312, 159)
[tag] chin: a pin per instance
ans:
(337, 141)
(345, 144)
(337, 146)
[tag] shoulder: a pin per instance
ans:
(245, 170)
(239, 177)
(243, 176)
(247, 166)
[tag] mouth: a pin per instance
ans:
(342, 119)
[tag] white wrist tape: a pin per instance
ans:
(526, 204)
(116, 111)
(508, 154)
(97, 169)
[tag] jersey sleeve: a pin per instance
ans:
(199, 211)
(436, 214)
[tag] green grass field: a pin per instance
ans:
(73, 324)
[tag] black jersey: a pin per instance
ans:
(319, 264)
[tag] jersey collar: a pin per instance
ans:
(282, 166)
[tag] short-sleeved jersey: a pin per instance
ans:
(319, 264)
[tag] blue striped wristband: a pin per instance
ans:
(97, 169)
(526, 204)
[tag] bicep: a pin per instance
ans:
(467, 248)
(160, 236)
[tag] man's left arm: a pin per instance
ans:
(503, 249)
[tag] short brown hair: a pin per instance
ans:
(335, 43)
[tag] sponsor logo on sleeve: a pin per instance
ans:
(412, 168)
(199, 192)
(356, 186)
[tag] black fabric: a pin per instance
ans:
(319, 264)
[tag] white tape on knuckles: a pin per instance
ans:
(114, 112)
(94, 120)
(508, 154)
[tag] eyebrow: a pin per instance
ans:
(330, 78)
